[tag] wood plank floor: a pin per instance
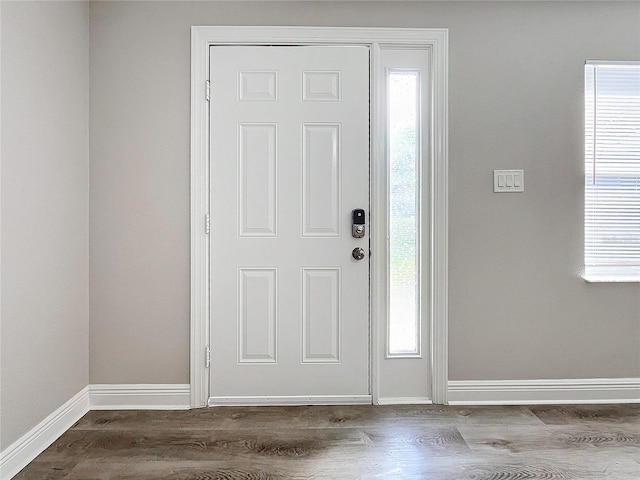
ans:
(349, 442)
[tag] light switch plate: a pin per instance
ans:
(508, 181)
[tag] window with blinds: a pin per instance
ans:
(612, 171)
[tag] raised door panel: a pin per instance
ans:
(258, 179)
(258, 86)
(321, 171)
(321, 315)
(257, 315)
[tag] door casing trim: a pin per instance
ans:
(202, 38)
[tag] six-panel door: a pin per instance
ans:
(289, 163)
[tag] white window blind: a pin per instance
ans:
(612, 171)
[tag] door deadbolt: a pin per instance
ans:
(357, 223)
(358, 253)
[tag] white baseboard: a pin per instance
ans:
(15, 457)
(404, 401)
(140, 397)
(252, 401)
(531, 392)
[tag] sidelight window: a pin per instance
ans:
(404, 211)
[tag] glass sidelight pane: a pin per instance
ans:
(404, 201)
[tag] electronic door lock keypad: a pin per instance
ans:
(358, 223)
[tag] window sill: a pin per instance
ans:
(612, 275)
(609, 279)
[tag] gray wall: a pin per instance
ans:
(518, 308)
(45, 202)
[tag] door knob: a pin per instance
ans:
(358, 253)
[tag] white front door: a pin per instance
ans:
(289, 164)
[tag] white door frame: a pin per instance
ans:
(436, 40)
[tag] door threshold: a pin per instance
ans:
(253, 401)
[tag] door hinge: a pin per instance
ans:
(207, 357)
(208, 91)
(207, 224)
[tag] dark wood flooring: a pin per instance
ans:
(349, 442)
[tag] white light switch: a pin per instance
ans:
(508, 181)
